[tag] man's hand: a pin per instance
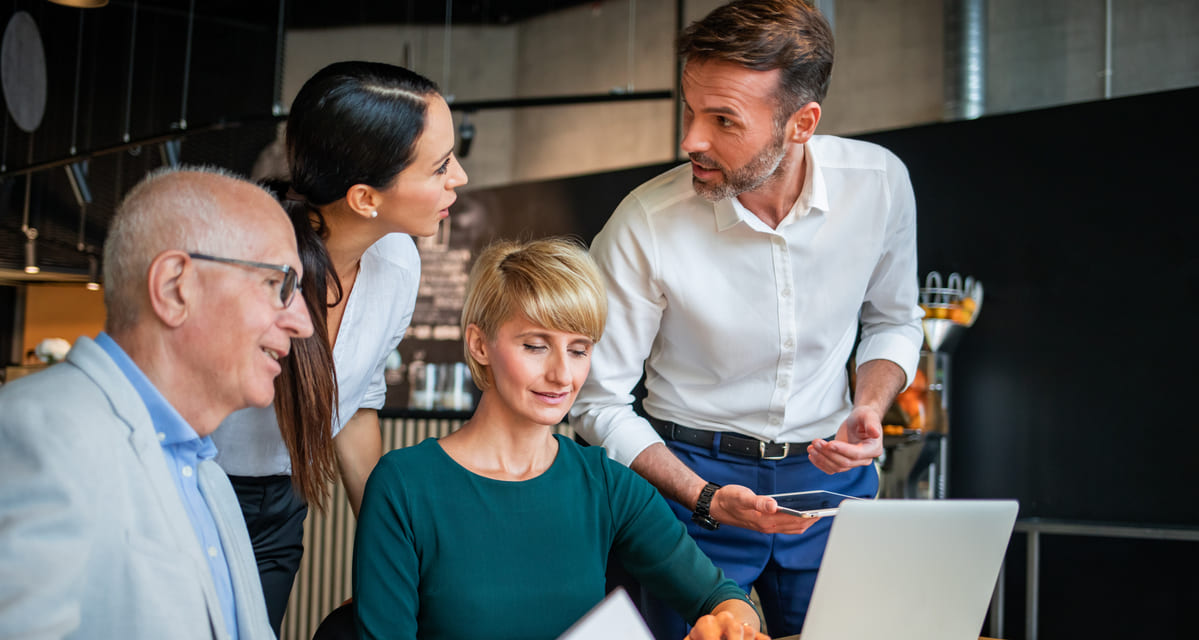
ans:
(858, 442)
(737, 506)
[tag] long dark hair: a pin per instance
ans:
(351, 123)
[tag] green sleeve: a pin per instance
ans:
(385, 563)
(657, 550)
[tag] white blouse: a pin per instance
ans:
(377, 314)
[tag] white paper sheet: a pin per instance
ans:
(614, 617)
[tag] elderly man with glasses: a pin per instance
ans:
(114, 520)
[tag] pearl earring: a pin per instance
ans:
(374, 213)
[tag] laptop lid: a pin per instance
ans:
(909, 569)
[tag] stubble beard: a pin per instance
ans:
(758, 171)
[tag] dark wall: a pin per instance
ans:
(1071, 391)
(1068, 393)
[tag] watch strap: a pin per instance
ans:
(702, 515)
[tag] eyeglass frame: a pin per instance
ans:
(287, 292)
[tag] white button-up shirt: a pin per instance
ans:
(744, 328)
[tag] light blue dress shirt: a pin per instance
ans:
(184, 450)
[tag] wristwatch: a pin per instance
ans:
(702, 514)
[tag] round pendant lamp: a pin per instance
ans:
(81, 4)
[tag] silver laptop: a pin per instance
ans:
(909, 569)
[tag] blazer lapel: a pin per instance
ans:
(252, 619)
(143, 440)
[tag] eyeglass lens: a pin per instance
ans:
(287, 289)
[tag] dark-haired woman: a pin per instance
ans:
(370, 150)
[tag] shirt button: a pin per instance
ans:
(187, 471)
(788, 344)
(786, 293)
(211, 552)
(162, 436)
(782, 383)
(774, 420)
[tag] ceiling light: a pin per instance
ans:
(93, 272)
(81, 4)
(31, 252)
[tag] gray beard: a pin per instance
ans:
(757, 172)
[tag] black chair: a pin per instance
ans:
(338, 625)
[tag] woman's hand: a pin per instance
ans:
(724, 626)
(732, 619)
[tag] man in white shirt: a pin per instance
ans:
(738, 284)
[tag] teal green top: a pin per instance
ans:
(443, 553)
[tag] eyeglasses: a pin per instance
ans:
(287, 286)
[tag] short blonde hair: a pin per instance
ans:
(552, 281)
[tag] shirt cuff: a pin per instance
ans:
(634, 437)
(896, 348)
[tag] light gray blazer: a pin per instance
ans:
(94, 539)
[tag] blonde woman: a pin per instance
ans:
(503, 529)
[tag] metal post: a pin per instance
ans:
(939, 481)
(446, 53)
(277, 106)
(631, 61)
(1107, 49)
(965, 58)
(678, 85)
(997, 603)
(129, 84)
(1033, 585)
(187, 64)
(829, 9)
(78, 68)
(17, 353)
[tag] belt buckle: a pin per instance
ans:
(762, 451)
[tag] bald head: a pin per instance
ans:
(193, 209)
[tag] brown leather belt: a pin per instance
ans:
(730, 443)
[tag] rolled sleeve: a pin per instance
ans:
(603, 413)
(891, 327)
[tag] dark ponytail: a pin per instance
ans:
(351, 123)
(306, 389)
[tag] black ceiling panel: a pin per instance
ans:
(314, 14)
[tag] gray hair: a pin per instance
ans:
(162, 212)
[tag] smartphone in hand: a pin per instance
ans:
(811, 504)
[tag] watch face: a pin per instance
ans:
(705, 521)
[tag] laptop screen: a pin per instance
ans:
(909, 569)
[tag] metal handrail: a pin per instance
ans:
(1035, 527)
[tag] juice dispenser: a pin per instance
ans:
(915, 463)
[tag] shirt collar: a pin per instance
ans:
(171, 427)
(728, 214)
(814, 197)
(814, 184)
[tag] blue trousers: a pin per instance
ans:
(781, 566)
